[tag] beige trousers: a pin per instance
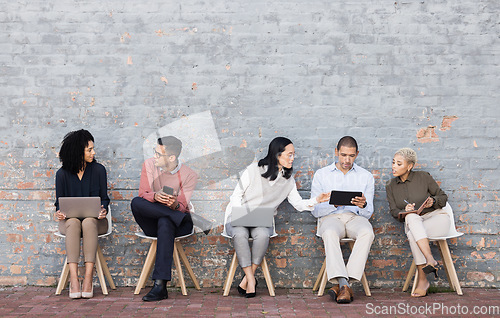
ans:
(432, 224)
(334, 227)
(88, 229)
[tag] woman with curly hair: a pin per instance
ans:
(81, 176)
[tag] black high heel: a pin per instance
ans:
(250, 295)
(431, 269)
(243, 292)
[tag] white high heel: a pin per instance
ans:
(88, 294)
(74, 295)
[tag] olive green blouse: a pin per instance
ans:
(417, 187)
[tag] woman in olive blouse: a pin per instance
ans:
(407, 192)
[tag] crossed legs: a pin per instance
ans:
(418, 229)
(250, 259)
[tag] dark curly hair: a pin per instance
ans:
(72, 150)
(276, 147)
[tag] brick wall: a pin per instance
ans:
(391, 74)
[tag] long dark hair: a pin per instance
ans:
(72, 150)
(276, 147)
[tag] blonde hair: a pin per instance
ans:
(408, 154)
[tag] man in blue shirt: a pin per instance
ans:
(337, 222)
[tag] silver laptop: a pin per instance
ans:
(252, 217)
(80, 207)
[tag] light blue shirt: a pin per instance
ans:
(331, 178)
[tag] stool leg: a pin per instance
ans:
(177, 263)
(100, 274)
(186, 264)
(230, 275)
(267, 276)
(105, 268)
(63, 279)
(452, 274)
(146, 269)
(322, 286)
(320, 276)
(366, 287)
(415, 282)
(409, 275)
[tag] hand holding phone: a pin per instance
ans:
(168, 190)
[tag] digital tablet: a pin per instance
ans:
(343, 197)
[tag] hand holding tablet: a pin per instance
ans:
(338, 198)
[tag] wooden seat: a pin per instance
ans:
(444, 250)
(322, 278)
(179, 256)
(100, 264)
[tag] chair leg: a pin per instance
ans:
(446, 269)
(267, 276)
(105, 268)
(185, 261)
(366, 287)
(146, 269)
(100, 274)
(320, 276)
(324, 279)
(415, 282)
(230, 275)
(409, 275)
(63, 279)
(450, 268)
(177, 263)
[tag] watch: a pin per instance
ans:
(364, 205)
(177, 206)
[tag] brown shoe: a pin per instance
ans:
(333, 292)
(345, 295)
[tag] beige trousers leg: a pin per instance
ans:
(334, 227)
(432, 224)
(88, 229)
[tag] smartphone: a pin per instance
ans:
(168, 190)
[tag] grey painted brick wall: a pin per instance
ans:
(391, 74)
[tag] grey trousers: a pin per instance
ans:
(247, 257)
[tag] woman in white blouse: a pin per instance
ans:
(264, 184)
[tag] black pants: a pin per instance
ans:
(166, 224)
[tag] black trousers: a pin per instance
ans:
(166, 224)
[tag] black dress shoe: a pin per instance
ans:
(158, 292)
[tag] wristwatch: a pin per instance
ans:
(364, 205)
(177, 206)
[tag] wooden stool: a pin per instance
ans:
(100, 264)
(179, 256)
(444, 250)
(232, 271)
(322, 278)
